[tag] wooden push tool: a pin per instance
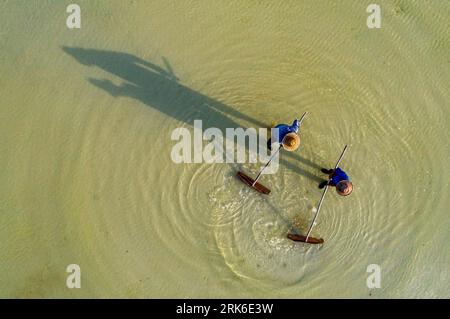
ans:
(254, 182)
(307, 238)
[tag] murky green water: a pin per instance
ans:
(86, 178)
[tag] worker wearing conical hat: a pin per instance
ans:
(283, 131)
(339, 179)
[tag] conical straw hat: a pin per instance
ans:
(344, 188)
(291, 142)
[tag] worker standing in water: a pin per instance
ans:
(283, 130)
(339, 179)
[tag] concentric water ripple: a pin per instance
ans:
(88, 176)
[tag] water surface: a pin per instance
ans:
(85, 148)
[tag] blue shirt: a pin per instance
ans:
(338, 175)
(284, 129)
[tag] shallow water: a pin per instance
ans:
(85, 148)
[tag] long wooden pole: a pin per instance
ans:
(273, 155)
(323, 196)
(267, 164)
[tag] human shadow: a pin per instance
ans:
(160, 88)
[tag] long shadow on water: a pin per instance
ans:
(156, 87)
